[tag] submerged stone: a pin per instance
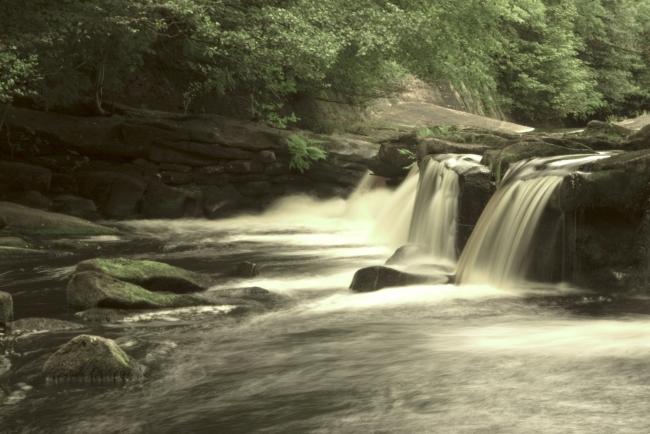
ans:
(89, 289)
(91, 359)
(152, 275)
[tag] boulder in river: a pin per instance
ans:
(152, 275)
(91, 359)
(89, 289)
(375, 278)
(33, 222)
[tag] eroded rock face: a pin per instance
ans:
(88, 289)
(152, 275)
(91, 359)
(375, 278)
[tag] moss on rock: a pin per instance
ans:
(89, 289)
(91, 359)
(152, 275)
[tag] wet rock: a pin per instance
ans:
(88, 289)
(162, 201)
(176, 178)
(433, 146)
(245, 269)
(220, 200)
(640, 139)
(32, 222)
(91, 359)
(152, 275)
(405, 254)
(33, 199)
(245, 299)
(256, 188)
(610, 130)
(16, 242)
(6, 310)
(243, 167)
(376, 278)
(75, 206)
(21, 177)
(30, 325)
(267, 157)
(499, 160)
(118, 195)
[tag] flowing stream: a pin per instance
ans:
(458, 359)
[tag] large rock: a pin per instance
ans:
(376, 278)
(89, 289)
(21, 177)
(32, 222)
(91, 359)
(152, 275)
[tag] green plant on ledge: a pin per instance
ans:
(304, 152)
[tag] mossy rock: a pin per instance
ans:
(152, 275)
(91, 359)
(89, 289)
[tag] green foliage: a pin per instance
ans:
(545, 59)
(407, 153)
(304, 152)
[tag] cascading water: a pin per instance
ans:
(435, 215)
(392, 224)
(498, 250)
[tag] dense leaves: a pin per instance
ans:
(544, 59)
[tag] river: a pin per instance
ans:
(439, 359)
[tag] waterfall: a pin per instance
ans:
(392, 224)
(498, 251)
(424, 209)
(435, 216)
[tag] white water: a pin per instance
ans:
(435, 216)
(393, 221)
(498, 251)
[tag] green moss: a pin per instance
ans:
(150, 274)
(89, 289)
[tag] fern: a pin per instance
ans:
(304, 152)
